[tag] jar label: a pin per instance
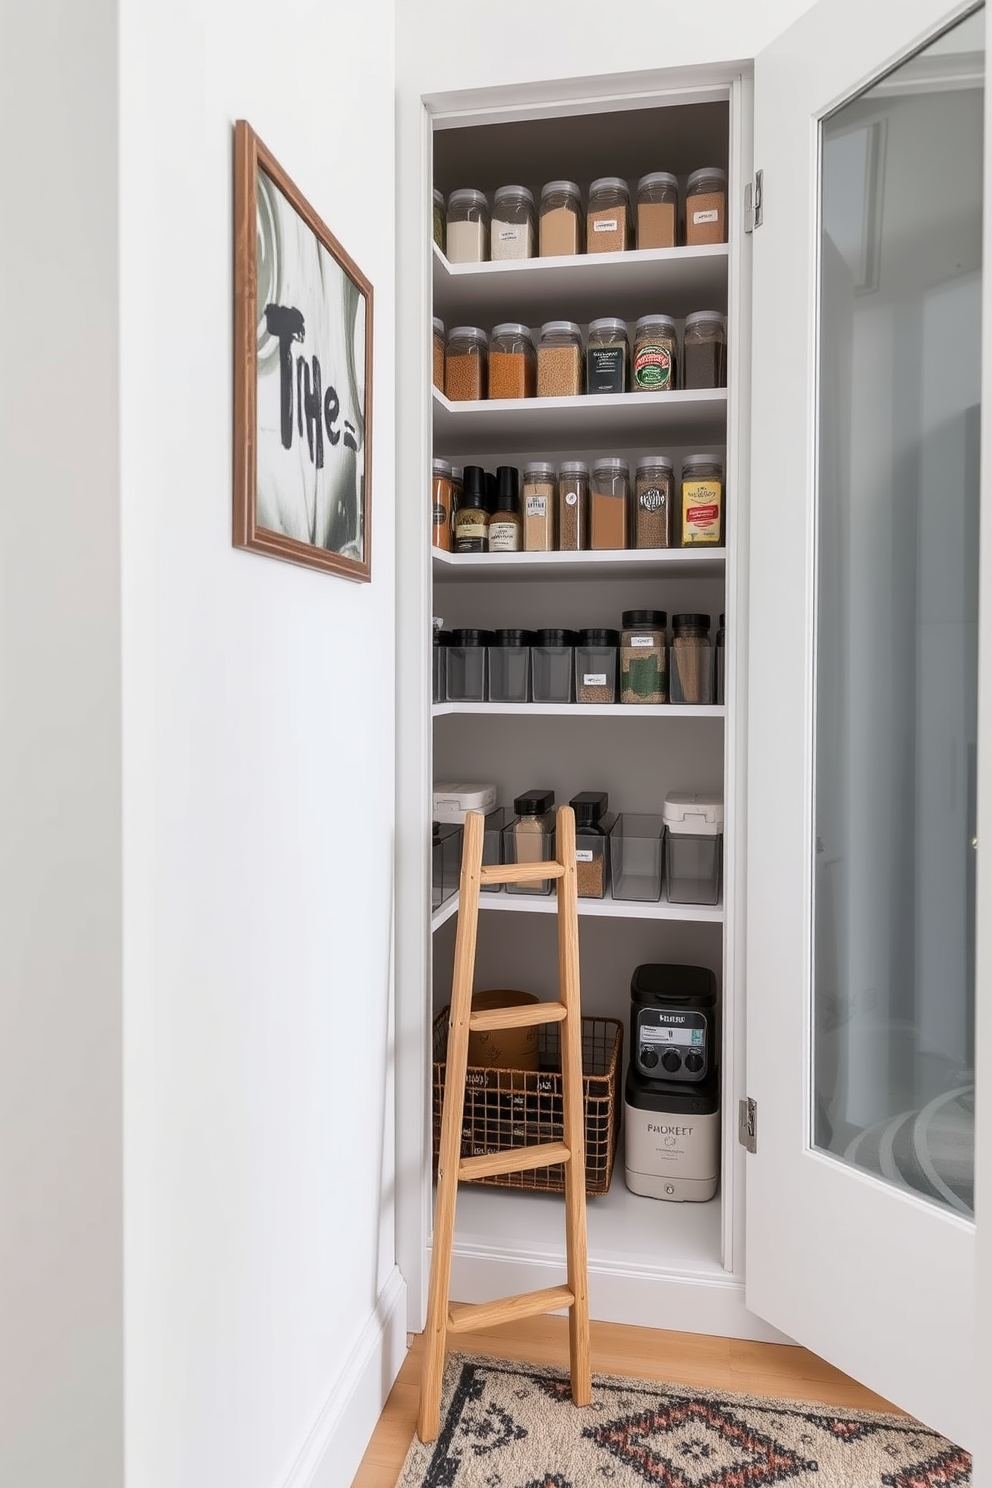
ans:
(571, 498)
(605, 224)
(440, 515)
(641, 641)
(711, 216)
(702, 501)
(471, 524)
(509, 235)
(653, 366)
(504, 537)
(606, 367)
(583, 854)
(651, 500)
(594, 679)
(536, 506)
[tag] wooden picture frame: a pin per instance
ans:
(302, 377)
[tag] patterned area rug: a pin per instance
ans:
(511, 1425)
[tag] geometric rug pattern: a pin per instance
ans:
(506, 1424)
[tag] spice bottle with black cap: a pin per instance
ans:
(530, 837)
(471, 520)
(596, 666)
(592, 830)
(509, 666)
(551, 666)
(643, 657)
(505, 526)
(465, 665)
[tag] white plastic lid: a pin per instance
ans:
(697, 315)
(608, 323)
(694, 813)
(573, 467)
(647, 462)
(702, 459)
(612, 462)
(560, 327)
(467, 196)
(441, 467)
(456, 797)
(646, 321)
(707, 173)
(502, 191)
(468, 333)
(609, 183)
(439, 197)
(658, 178)
(563, 188)
(511, 328)
(439, 325)
(538, 467)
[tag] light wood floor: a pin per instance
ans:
(644, 1353)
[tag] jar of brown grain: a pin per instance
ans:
(657, 210)
(560, 229)
(609, 500)
(654, 493)
(573, 506)
(608, 216)
(512, 363)
(704, 350)
(559, 360)
(466, 368)
(439, 354)
(706, 207)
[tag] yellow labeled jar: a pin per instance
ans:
(702, 502)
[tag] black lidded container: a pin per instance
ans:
(552, 660)
(530, 838)
(466, 665)
(509, 666)
(589, 808)
(592, 830)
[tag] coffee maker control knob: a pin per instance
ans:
(649, 1057)
(672, 1060)
(693, 1062)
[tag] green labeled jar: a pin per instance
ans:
(643, 657)
(655, 365)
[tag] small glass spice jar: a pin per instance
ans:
(573, 506)
(442, 493)
(559, 360)
(530, 838)
(467, 227)
(720, 669)
(560, 227)
(701, 502)
(509, 666)
(596, 666)
(607, 356)
(512, 230)
(471, 519)
(512, 362)
(592, 833)
(439, 354)
(609, 503)
(466, 364)
(706, 207)
(657, 210)
(704, 350)
(690, 669)
(465, 666)
(505, 524)
(551, 666)
(643, 657)
(608, 216)
(440, 223)
(655, 365)
(538, 506)
(654, 503)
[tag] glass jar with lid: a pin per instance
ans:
(607, 356)
(442, 494)
(538, 506)
(552, 659)
(609, 503)
(596, 666)
(439, 354)
(509, 666)
(701, 502)
(467, 226)
(592, 833)
(654, 503)
(573, 506)
(643, 657)
(560, 230)
(512, 232)
(512, 361)
(439, 219)
(559, 360)
(657, 210)
(720, 669)
(655, 365)
(706, 207)
(690, 670)
(465, 665)
(608, 216)
(530, 838)
(466, 364)
(704, 350)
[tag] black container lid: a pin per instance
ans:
(473, 486)
(534, 802)
(443, 637)
(599, 638)
(513, 637)
(490, 490)
(556, 637)
(697, 622)
(653, 619)
(507, 488)
(589, 806)
(673, 1095)
(471, 637)
(722, 625)
(673, 985)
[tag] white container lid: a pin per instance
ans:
(451, 802)
(565, 188)
(694, 813)
(504, 191)
(658, 178)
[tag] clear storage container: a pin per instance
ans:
(607, 356)
(466, 665)
(657, 210)
(636, 856)
(643, 657)
(706, 207)
(653, 507)
(592, 835)
(439, 354)
(530, 837)
(560, 229)
(693, 847)
(704, 350)
(609, 504)
(538, 506)
(655, 363)
(720, 654)
(573, 506)
(466, 364)
(512, 231)
(608, 216)
(509, 666)
(560, 361)
(551, 666)
(690, 660)
(439, 219)
(596, 666)
(442, 496)
(439, 670)
(492, 843)
(467, 227)
(512, 362)
(446, 858)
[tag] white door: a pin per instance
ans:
(862, 695)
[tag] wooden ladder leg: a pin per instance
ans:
(435, 1333)
(576, 1244)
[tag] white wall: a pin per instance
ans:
(258, 810)
(60, 700)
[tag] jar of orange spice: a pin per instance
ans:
(466, 364)
(512, 362)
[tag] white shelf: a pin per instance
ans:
(615, 419)
(630, 563)
(583, 710)
(608, 908)
(674, 281)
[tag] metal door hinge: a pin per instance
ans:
(753, 203)
(747, 1124)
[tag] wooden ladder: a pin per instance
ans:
(444, 1317)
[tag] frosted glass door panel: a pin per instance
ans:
(896, 622)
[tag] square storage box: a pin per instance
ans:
(465, 670)
(446, 862)
(551, 666)
(451, 802)
(635, 856)
(509, 674)
(492, 843)
(529, 847)
(596, 667)
(693, 847)
(592, 859)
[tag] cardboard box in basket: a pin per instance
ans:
(503, 1048)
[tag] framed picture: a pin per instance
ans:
(302, 376)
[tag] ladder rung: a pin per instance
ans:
(501, 873)
(463, 1316)
(513, 1160)
(518, 1017)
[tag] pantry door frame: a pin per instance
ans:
(875, 1279)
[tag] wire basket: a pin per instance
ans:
(507, 1108)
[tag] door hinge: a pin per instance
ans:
(747, 1124)
(753, 204)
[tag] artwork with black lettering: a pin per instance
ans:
(303, 377)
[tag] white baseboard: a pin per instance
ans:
(331, 1453)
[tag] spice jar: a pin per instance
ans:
(511, 234)
(439, 354)
(657, 210)
(608, 216)
(441, 497)
(509, 666)
(442, 639)
(591, 836)
(512, 365)
(465, 666)
(609, 500)
(643, 660)
(467, 227)
(439, 219)
(559, 360)
(504, 524)
(706, 207)
(560, 229)
(690, 673)
(654, 492)
(720, 684)
(551, 666)
(471, 520)
(539, 507)
(596, 666)
(701, 502)
(530, 838)
(704, 350)
(466, 365)
(655, 367)
(573, 506)
(607, 356)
